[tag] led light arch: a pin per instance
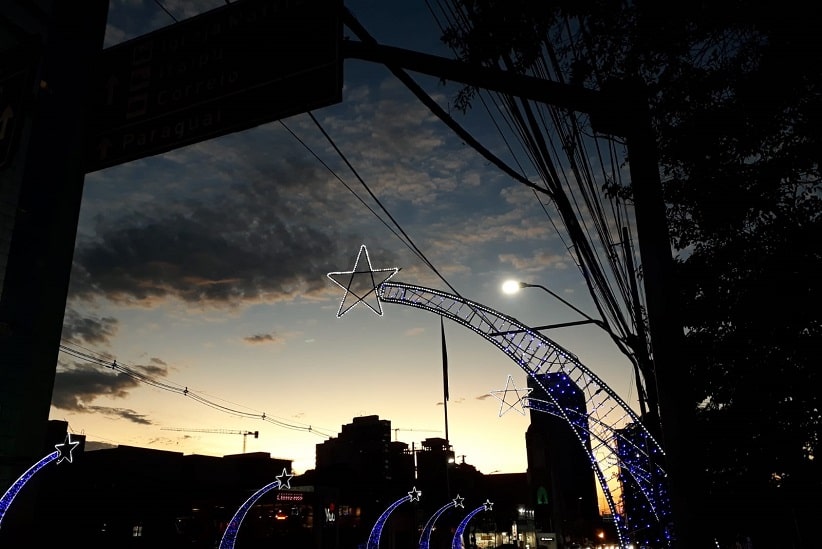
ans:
(376, 531)
(230, 535)
(607, 413)
(425, 538)
(63, 452)
(457, 543)
(630, 459)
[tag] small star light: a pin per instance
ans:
(521, 398)
(458, 501)
(414, 494)
(359, 283)
(488, 505)
(284, 483)
(65, 449)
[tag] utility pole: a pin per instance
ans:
(632, 118)
(47, 57)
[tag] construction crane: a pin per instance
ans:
(398, 429)
(218, 431)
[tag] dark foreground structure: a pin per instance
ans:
(130, 497)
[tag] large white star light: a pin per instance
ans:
(361, 284)
(284, 479)
(65, 449)
(414, 494)
(521, 397)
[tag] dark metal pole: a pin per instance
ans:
(47, 170)
(632, 112)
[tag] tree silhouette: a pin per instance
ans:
(736, 99)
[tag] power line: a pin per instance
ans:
(107, 362)
(166, 10)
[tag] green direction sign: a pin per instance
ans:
(238, 66)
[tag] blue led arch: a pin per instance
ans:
(457, 543)
(622, 451)
(376, 531)
(425, 538)
(230, 535)
(63, 452)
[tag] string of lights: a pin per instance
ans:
(183, 390)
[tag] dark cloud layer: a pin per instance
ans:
(77, 386)
(79, 328)
(261, 338)
(267, 237)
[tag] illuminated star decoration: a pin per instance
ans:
(522, 397)
(65, 449)
(360, 280)
(284, 483)
(488, 505)
(376, 531)
(230, 534)
(458, 501)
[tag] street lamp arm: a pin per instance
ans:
(600, 323)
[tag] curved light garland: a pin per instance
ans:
(230, 535)
(63, 452)
(457, 543)
(425, 538)
(607, 413)
(613, 462)
(376, 531)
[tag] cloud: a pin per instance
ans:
(262, 338)
(81, 384)
(226, 252)
(77, 386)
(537, 262)
(79, 328)
(121, 413)
(92, 445)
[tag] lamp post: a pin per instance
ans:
(630, 347)
(513, 286)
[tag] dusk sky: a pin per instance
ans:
(205, 268)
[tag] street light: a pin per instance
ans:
(513, 286)
(629, 346)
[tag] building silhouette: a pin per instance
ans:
(358, 474)
(561, 478)
(133, 497)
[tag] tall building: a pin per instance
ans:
(561, 477)
(435, 461)
(358, 475)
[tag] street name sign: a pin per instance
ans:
(232, 68)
